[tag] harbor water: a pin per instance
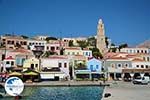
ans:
(61, 93)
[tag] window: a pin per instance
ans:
(36, 65)
(142, 66)
(57, 48)
(77, 53)
(141, 51)
(65, 65)
(73, 53)
(12, 63)
(144, 58)
(113, 65)
(52, 48)
(21, 42)
(137, 66)
(47, 48)
(59, 65)
(32, 66)
(126, 65)
(91, 67)
(97, 66)
(130, 51)
(25, 43)
(146, 66)
(147, 58)
(137, 51)
(145, 51)
(119, 65)
(86, 54)
(12, 42)
(7, 62)
(68, 53)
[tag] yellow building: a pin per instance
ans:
(32, 63)
(73, 51)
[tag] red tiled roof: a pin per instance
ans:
(56, 57)
(119, 58)
(137, 60)
(21, 51)
(9, 58)
(73, 48)
(85, 49)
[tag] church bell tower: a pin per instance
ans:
(101, 44)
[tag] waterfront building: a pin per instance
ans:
(8, 63)
(92, 70)
(55, 67)
(139, 69)
(115, 65)
(13, 42)
(101, 44)
(32, 63)
(125, 65)
(115, 62)
(77, 62)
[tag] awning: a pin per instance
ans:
(30, 73)
(15, 74)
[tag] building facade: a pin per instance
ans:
(13, 42)
(135, 50)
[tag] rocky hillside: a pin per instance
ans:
(145, 44)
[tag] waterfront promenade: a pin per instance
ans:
(127, 91)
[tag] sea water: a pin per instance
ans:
(61, 93)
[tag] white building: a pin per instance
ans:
(87, 52)
(135, 50)
(140, 64)
(32, 43)
(56, 64)
(9, 63)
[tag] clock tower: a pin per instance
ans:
(101, 44)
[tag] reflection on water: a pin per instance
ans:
(61, 93)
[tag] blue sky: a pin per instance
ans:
(126, 21)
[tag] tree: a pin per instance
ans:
(82, 44)
(25, 37)
(71, 43)
(106, 41)
(96, 53)
(123, 46)
(50, 38)
(113, 48)
(92, 41)
(48, 53)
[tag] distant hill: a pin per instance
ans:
(145, 44)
